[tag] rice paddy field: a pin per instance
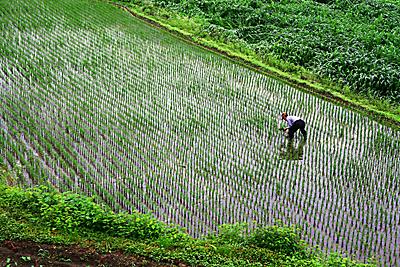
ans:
(97, 102)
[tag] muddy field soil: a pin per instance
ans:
(25, 253)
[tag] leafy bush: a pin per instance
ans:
(278, 238)
(233, 233)
(71, 212)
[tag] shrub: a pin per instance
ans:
(233, 233)
(70, 212)
(278, 238)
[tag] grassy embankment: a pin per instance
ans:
(45, 216)
(343, 52)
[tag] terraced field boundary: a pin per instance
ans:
(374, 109)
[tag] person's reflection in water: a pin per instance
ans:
(291, 151)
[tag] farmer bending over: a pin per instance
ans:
(294, 123)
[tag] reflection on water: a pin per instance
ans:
(292, 151)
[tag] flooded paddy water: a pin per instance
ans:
(145, 121)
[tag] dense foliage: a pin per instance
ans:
(354, 43)
(72, 212)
